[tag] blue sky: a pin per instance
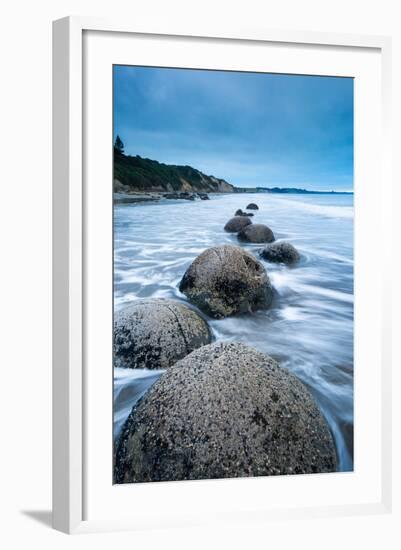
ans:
(252, 129)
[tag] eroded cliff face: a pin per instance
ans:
(136, 174)
(223, 186)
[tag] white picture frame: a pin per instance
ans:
(70, 260)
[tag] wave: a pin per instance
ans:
(309, 329)
(129, 386)
(343, 212)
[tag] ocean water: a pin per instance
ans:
(309, 329)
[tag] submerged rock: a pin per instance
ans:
(225, 280)
(128, 198)
(240, 212)
(204, 196)
(256, 233)
(252, 206)
(155, 333)
(236, 224)
(282, 252)
(225, 410)
(187, 196)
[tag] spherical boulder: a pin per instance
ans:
(240, 212)
(155, 333)
(256, 233)
(225, 280)
(237, 223)
(225, 410)
(252, 206)
(282, 252)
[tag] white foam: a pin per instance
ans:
(319, 209)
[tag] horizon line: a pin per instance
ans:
(251, 186)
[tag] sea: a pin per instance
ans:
(309, 329)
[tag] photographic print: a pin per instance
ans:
(233, 274)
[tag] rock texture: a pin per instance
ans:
(226, 410)
(237, 223)
(226, 280)
(252, 206)
(256, 233)
(156, 333)
(281, 252)
(240, 212)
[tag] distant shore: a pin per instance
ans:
(152, 180)
(155, 196)
(288, 191)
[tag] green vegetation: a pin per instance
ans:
(139, 174)
(118, 146)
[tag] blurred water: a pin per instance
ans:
(309, 329)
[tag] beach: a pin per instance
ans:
(309, 327)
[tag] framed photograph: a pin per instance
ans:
(221, 327)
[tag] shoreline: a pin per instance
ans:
(290, 314)
(155, 196)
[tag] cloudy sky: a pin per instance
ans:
(251, 129)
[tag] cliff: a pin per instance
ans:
(136, 174)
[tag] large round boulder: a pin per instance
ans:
(252, 206)
(282, 252)
(225, 410)
(256, 233)
(225, 280)
(155, 333)
(237, 223)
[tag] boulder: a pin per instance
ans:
(225, 410)
(187, 196)
(256, 233)
(155, 333)
(240, 212)
(281, 252)
(252, 206)
(237, 223)
(225, 280)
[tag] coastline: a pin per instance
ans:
(313, 298)
(155, 196)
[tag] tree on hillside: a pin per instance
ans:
(119, 146)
